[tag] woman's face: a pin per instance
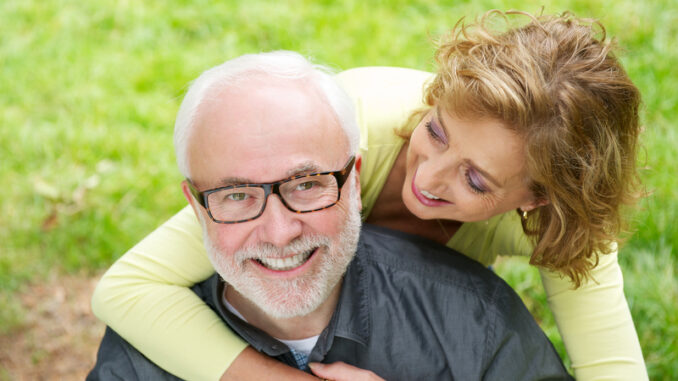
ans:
(464, 170)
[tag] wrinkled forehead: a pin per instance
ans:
(267, 127)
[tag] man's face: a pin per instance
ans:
(285, 263)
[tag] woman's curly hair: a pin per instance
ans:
(556, 82)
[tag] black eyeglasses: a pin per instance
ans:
(300, 194)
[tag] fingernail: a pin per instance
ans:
(315, 366)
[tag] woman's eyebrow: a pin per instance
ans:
(437, 119)
(485, 174)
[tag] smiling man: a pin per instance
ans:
(268, 144)
(260, 136)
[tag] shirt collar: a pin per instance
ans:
(260, 340)
(351, 319)
(353, 315)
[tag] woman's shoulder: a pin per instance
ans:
(384, 97)
(501, 235)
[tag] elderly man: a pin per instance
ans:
(268, 144)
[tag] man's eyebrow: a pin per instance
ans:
(301, 169)
(226, 181)
(304, 168)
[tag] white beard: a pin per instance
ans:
(282, 299)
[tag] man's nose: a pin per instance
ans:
(278, 225)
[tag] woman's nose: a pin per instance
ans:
(433, 176)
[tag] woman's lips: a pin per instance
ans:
(425, 200)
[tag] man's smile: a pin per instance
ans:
(287, 263)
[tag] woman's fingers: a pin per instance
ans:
(340, 371)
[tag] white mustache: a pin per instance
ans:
(268, 251)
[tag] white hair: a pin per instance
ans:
(278, 64)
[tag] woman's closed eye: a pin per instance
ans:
(475, 182)
(473, 179)
(435, 132)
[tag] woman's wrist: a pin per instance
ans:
(252, 365)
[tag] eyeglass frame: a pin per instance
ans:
(273, 188)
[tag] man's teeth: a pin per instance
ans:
(428, 195)
(288, 263)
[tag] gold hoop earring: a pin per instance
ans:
(523, 214)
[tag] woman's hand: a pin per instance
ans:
(252, 365)
(340, 371)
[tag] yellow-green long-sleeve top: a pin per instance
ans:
(144, 296)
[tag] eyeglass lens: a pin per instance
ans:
(303, 194)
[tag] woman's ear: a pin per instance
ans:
(533, 204)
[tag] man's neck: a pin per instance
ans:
(295, 328)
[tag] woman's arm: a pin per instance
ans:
(145, 298)
(594, 320)
(595, 323)
(252, 365)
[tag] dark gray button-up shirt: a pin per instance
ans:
(409, 309)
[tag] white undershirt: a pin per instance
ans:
(301, 345)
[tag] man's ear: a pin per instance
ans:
(189, 197)
(358, 163)
(358, 166)
(533, 204)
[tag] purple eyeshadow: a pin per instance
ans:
(438, 131)
(476, 180)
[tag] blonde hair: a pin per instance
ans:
(556, 82)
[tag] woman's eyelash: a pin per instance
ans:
(433, 133)
(474, 187)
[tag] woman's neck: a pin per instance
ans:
(390, 211)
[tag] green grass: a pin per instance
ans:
(90, 91)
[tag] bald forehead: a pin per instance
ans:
(262, 97)
(264, 117)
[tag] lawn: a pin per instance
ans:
(89, 91)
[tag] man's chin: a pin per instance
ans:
(286, 298)
(291, 307)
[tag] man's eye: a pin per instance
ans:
(237, 197)
(306, 185)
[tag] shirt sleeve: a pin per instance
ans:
(595, 323)
(594, 320)
(117, 360)
(145, 297)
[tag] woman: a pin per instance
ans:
(541, 119)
